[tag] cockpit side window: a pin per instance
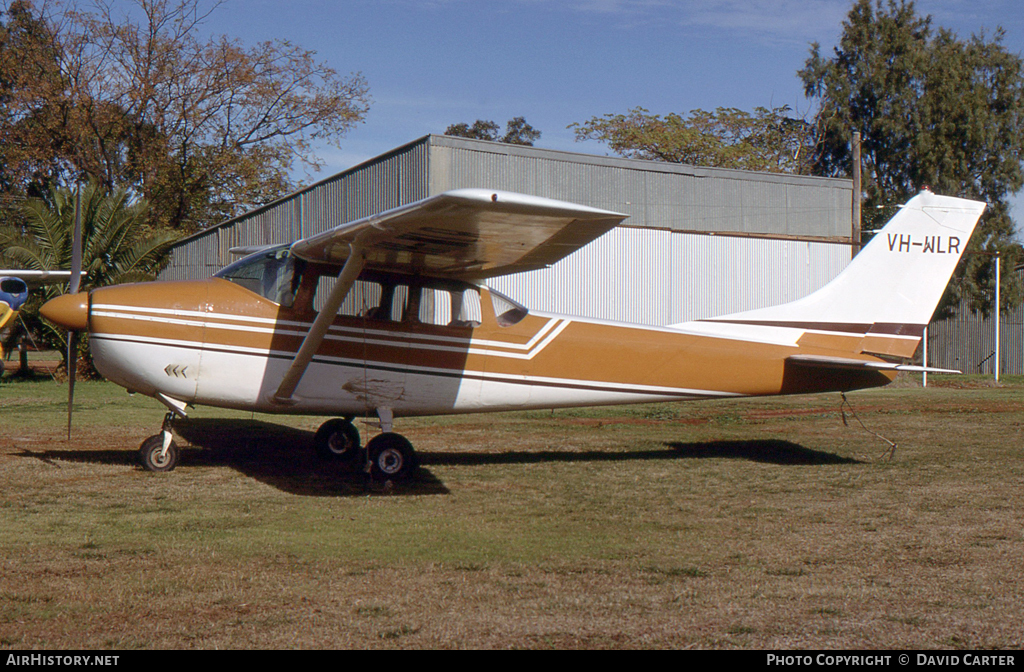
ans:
(364, 298)
(273, 274)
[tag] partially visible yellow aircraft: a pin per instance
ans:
(14, 288)
(389, 316)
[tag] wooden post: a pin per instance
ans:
(23, 369)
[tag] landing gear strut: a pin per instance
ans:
(158, 452)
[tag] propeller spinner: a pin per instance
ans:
(70, 311)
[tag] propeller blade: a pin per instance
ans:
(76, 245)
(72, 370)
(76, 279)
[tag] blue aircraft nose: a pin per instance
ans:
(13, 292)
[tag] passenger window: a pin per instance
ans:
(449, 308)
(435, 306)
(400, 308)
(363, 299)
(466, 308)
(383, 300)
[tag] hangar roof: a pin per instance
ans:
(656, 195)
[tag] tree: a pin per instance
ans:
(932, 110)
(28, 69)
(517, 131)
(116, 248)
(205, 129)
(767, 140)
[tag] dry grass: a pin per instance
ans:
(739, 524)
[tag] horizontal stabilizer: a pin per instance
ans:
(824, 362)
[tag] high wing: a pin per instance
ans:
(33, 278)
(466, 234)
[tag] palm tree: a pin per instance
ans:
(117, 245)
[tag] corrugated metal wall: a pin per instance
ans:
(653, 270)
(658, 195)
(385, 182)
(966, 342)
(660, 277)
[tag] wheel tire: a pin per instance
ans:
(337, 440)
(391, 457)
(149, 454)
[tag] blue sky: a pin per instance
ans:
(431, 63)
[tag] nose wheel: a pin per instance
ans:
(159, 452)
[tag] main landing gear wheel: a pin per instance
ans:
(391, 457)
(337, 440)
(154, 458)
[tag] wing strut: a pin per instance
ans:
(349, 272)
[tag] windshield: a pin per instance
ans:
(271, 273)
(13, 292)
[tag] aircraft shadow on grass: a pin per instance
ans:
(283, 457)
(277, 455)
(768, 451)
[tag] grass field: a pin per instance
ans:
(727, 524)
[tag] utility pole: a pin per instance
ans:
(924, 358)
(996, 365)
(855, 230)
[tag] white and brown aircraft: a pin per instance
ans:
(388, 316)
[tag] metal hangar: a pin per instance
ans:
(698, 241)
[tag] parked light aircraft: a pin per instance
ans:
(388, 316)
(14, 288)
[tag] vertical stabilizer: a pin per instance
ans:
(894, 285)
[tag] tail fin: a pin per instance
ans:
(891, 288)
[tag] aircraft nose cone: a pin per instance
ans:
(70, 311)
